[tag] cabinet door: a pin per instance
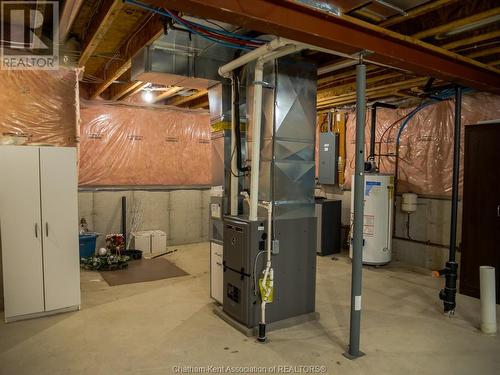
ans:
(58, 176)
(20, 229)
(216, 281)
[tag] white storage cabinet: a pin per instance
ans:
(216, 272)
(39, 230)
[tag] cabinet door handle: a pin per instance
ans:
(46, 229)
(36, 230)
(498, 210)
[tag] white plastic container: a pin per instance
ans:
(488, 300)
(141, 240)
(377, 228)
(158, 241)
(409, 202)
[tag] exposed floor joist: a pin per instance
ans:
(457, 23)
(168, 93)
(125, 90)
(344, 34)
(417, 12)
(472, 40)
(68, 15)
(144, 35)
(181, 100)
(137, 88)
(104, 17)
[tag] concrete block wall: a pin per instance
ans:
(430, 223)
(182, 214)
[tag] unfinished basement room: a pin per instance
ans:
(250, 187)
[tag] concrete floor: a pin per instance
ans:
(149, 328)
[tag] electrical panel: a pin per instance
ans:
(328, 158)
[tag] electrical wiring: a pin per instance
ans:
(216, 24)
(223, 37)
(209, 31)
(230, 167)
(255, 271)
(389, 129)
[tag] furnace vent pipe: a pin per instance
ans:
(225, 70)
(488, 300)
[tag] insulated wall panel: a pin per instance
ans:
(131, 145)
(426, 146)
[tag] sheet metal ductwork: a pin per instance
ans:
(179, 58)
(287, 179)
(287, 167)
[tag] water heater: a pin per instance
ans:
(377, 227)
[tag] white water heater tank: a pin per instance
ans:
(377, 228)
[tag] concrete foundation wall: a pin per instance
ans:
(181, 214)
(430, 223)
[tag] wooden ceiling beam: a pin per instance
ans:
(349, 87)
(124, 89)
(101, 22)
(484, 52)
(145, 34)
(475, 39)
(345, 34)
(201, 104)
(169, 92)
(434, 5)
(457, 23)
(417, 12)
(393, 86)
(182, 100)
(68, 16)
(138, 88)
(351, 73)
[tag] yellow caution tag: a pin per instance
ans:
(263, 290)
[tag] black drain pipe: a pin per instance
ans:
(237, 127)
(447, 295)
(124, 220)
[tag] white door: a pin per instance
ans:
(58, 176)
(20, 230)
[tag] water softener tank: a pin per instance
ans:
(377, 228)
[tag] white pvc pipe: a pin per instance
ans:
(488, 300)
(274, 44)
(268, 272)
(257, 124)
(256, 130)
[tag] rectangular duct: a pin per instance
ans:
(287, 170)
(179, 58)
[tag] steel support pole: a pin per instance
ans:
(359, 206)
(448, 294)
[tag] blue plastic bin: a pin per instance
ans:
(87, 244)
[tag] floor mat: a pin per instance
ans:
(139, 271)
